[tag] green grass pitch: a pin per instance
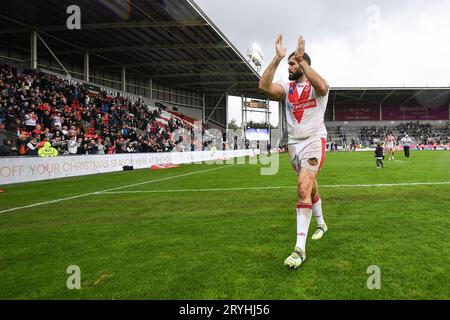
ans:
(151, 242)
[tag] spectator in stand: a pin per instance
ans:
(105, 119)
(111, 149)
(107, 143)
(92, 147)
(32, 147)
(30, 121)
(65, 132)
(125, 132)
(6, 148)
(100, 147)
(2, 113)
(10, 119)
(130, 148)
(72, 145)
(37, 130)
(82, 146)
(56, 120)
(57, 140)
(121, 145)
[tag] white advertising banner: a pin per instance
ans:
(25, 169)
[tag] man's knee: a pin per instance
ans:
(305, 192)
(306, 184)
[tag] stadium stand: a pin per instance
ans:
(37, 107)
(368, 134)
(363, 116)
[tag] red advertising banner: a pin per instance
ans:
(415, 112)
(352, 112)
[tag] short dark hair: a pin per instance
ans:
(305, 56)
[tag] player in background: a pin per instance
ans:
(390, 145)
(306, 99)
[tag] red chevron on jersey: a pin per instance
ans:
(300, 104)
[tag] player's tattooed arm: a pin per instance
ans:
(319, 83)
(274, 90)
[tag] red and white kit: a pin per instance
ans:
(390, 142)
(307, 133)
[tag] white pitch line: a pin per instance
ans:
(279, 187)
(166, 178)
(112, 189)
(47, 202)
(405, 184)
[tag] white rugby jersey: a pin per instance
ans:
(305, 111)
(390, 139)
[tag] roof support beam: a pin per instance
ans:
(151, 87)
(149, 47)
(217, 104)
(99, 26)
(437, 97)
(231, 91)
(202, 74)
(231, 82)
(203, 108)
(411, 97)
(33, 43)
(177, 63)
(53, 55)
(356, 99)
(360, 98)
(161, 46)
(86, 71)
(387, 96)
(123, 79)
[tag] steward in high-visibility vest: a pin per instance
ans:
(47, 151)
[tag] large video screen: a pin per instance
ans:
(254, 134)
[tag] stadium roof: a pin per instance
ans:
(169, 40)
(390, 96)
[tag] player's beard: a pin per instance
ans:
(295, 76)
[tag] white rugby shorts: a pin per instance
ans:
(308, 154)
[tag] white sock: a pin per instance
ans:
(317, 210)
(304, 213)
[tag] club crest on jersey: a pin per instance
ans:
(313, 162)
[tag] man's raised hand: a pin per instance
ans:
(300, 51)
(281, 52)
